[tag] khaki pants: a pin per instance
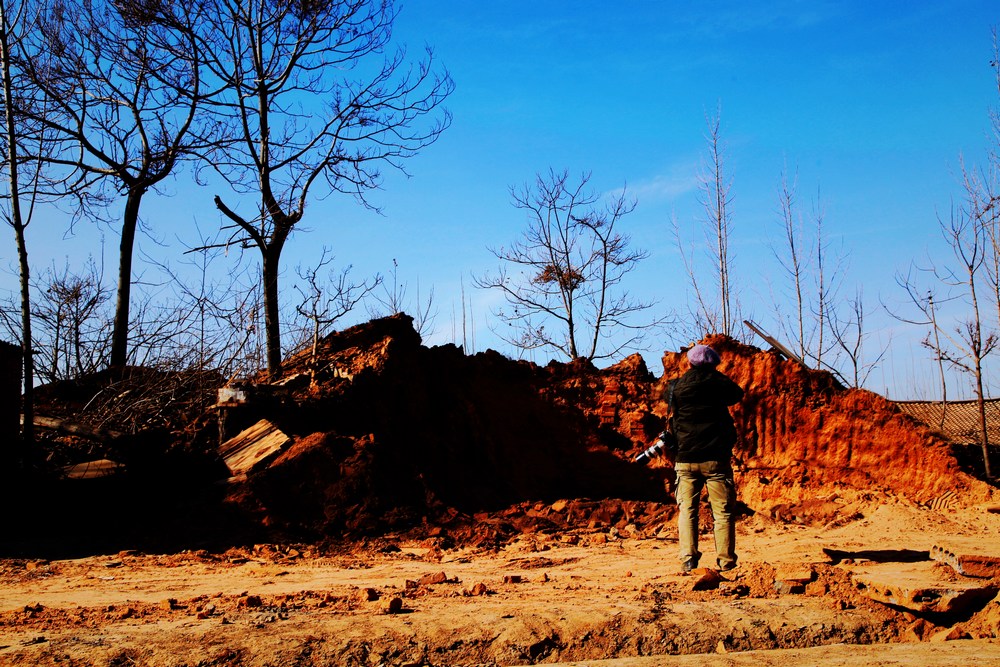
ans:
(718, 477)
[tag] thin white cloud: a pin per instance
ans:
(677, 181)
(734, 18)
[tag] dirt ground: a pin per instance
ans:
(581, 596)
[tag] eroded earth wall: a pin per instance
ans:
(805, 435)
(389, 432)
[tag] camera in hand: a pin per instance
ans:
(665, 441)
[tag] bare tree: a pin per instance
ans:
(791, 259)
(324, 301)
(570, 264)
(850, 336)
(299, 123)
(28, 181)
(721, 312)
(716, 198)
(926, 303)
(968, 344)
(987, 182)
(121, 80)
(967, 236)
(393, 299)
(805, 256)
(72, 337)
(17, 219)
(826, 287)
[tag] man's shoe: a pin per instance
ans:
(727, 567)
(689, 565)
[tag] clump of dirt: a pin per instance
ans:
(986, 622)
(389, 433)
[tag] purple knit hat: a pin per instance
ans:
(703, 355)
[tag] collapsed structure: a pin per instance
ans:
(387, 434)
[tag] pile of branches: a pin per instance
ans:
(148, 399)
(104, 414)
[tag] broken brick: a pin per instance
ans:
(706, 579)
(429, 579)
(786, 587)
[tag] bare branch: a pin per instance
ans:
(571, 261)
(302, 105)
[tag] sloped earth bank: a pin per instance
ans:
(576, 596)
(450, 509)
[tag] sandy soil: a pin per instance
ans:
(577, 597)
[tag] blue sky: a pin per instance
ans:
(872, 104)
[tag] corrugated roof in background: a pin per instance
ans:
(956, 420)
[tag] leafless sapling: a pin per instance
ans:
(850, 336)
(393, 299)
(721, 313)
(567, 270)
(324, 301)
(969, 342)
(72, 336)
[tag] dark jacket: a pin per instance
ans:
(701, 419)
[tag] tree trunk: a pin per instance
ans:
(983, 431)
(119, 335)
(940, 359)
(272, 321)
(18, 223)
(28, 404)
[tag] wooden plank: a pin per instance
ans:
(74, 428)
(774, 342)
(253, 448)
(92, 469)
(247, 435)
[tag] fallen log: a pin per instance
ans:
(71, 427)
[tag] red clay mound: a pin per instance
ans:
(390, 434)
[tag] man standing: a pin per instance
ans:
(705, 438)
